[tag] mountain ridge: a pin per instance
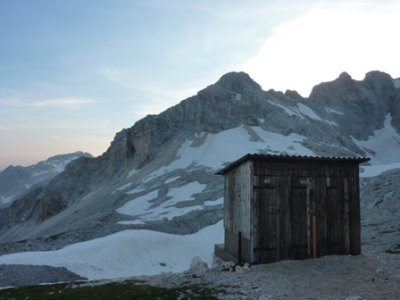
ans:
(16, 180)
(164, 153)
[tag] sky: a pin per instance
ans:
(73, 73)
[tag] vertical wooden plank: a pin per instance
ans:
(354, 215)
(285, 218)
(308, 213)
(332, 220)
(277, 216)
(228, 202)
(266, 247)
(334, 211)
(314, 236)
(321, 215)
(237, 202)
(346, 229)
(299, 222)
(248, 188)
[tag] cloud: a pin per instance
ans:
(118, 76)
(321, 44)
(69, 103)
(66, 102)
(5, 128)
(152, 93)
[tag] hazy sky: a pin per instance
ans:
(74, 72)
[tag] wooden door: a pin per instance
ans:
(334, 220)
(299, 220)
(267, 225)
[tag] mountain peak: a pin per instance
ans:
(237, 82)
(344, 76)
(378, 78)
(343, 85)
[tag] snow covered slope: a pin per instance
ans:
(128, 253)
(383, 146)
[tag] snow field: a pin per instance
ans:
(209, 153)
(306, 111)
(371, 171)
(4, 200)
(240, 142)
(145, 210)
(291, 111)
(299, 110)
(127, 253)
(385, 144)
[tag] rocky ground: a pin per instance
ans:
(20, 275)
(368, 276)
(380, 211)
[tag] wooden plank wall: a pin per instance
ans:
(238, 192)
(288, 195)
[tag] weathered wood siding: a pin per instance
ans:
(288, 195)
(291, 209)
(238, 192)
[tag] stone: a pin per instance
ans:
(198, 266)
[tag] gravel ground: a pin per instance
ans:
(370, 276)
(21, 275)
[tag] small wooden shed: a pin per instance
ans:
(280, 207)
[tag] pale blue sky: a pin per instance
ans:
(73, 72)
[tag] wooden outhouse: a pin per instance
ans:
(280, 207)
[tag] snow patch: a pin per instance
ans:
(145, 208)
(214, 202)
(133, 171)
(135, 190)
(123, 187)
(4, 200)
(131, 222)
(214, 152)
(59, 165)
(332, 123)
(370, 171)
(281, 144)
(300, 110)
(396, 83)
(384, 145)
(306, 111)
(139, 205)
(172, 179)
(288, 110)
(41, 173)
(330, 110)
(127, 253)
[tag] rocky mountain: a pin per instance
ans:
(16, 180)
(160, 173)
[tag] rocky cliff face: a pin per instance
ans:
(16, 180)
(358, 107)
(166, 162)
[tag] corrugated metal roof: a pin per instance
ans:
(356, 159)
